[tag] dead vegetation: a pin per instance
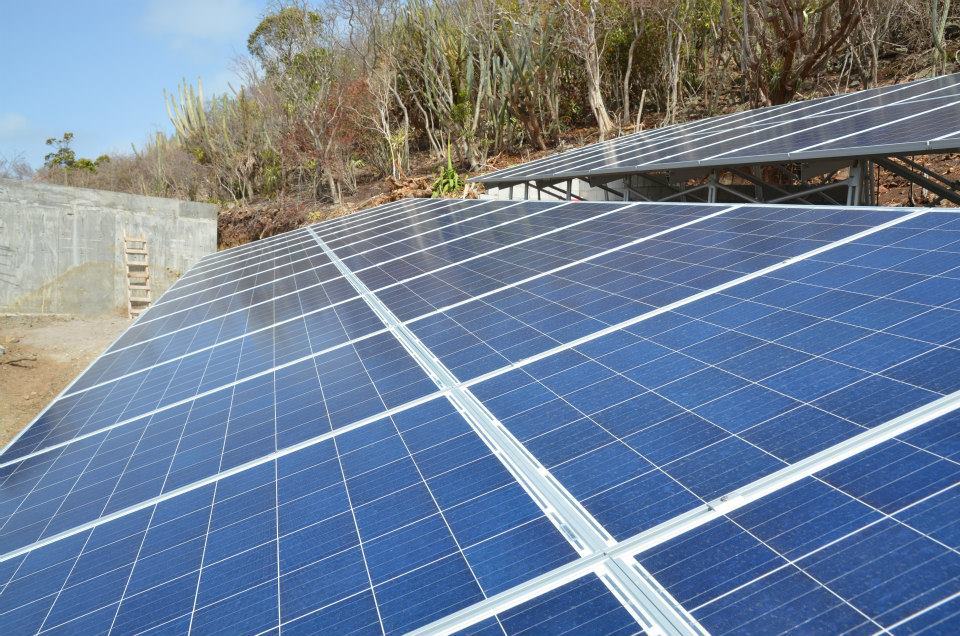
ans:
(351, 103)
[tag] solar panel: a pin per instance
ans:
(916, 117)
(869, 544)
(485, 417)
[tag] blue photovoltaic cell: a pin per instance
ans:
(908, 117)
(170, 384)
(482, 271)
(257, 273)
(376, 529)
(383, 215)
(509, 325)
(307, 289)
(440, 224)
(251, 265)
(281, 302)
(292, 296)
(853, 130)
(245, 292)
(267, 363)
(502, 223)
(199, 365)
(269, 338)
(415, 211)
(239, 258)
(583, 606)
(867, 545)
(261, 334)
(655, 419)
(112, 470)
(544, 218)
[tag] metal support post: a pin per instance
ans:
(756, 173)
(870, 183)
(712, 187)
(854, 181)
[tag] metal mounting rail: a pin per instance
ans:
(647, 601)
(788, 475)
(700, 516)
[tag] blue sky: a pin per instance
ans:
(99, 68)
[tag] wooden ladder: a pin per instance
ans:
(137, 260)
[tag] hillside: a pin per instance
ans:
(351, 103)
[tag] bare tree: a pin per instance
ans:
(636, 14)
(785, 42)
(371, 41)
(15, 167)
(587, 45)
(873, 27)
(939, 12)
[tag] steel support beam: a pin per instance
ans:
(544, 190)
(737, 193)
(919, 179)
(950, 183)
(809, 191)
(621, 195)
(859, 185)
(564, 195)
(683, 193)
(760, 184)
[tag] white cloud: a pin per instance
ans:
(216, 20)
(13, 125)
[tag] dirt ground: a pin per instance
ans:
(42, 354)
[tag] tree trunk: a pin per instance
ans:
(594, 76)
(938, 25)
(625, 115)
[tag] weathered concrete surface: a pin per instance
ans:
(61, 248)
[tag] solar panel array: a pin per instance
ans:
(493, 417)
(916, 117)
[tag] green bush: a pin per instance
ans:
(448, 181)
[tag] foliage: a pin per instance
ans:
(448, 181)
(63, 156)
(287, 41)
(66, 159)
(337, 93)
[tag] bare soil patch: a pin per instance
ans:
(42, 354)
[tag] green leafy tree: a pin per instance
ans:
(288, 45)
(63, 156)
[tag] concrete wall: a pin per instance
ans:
(61, 248)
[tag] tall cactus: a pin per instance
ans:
(186, 110)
